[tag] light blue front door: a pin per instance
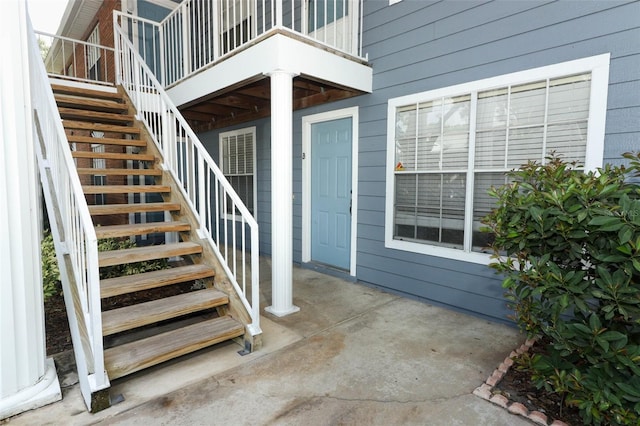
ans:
(331, 192)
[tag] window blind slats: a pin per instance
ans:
(514, 125)
(237, 164)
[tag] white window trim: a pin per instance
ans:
(391, 2)
(244, 130)
(598, 66)
(307, 121)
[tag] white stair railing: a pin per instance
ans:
(72, 229)
(223, 218)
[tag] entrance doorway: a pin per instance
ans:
(329, 146)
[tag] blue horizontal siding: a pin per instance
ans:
(418, 46)
(415, 46)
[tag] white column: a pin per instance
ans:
(281, 193)
(27, 379)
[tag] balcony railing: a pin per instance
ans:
(76, 60)
(200, 32)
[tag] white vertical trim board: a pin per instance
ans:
(307, 121)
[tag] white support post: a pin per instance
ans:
(282, 193)
(27, 379)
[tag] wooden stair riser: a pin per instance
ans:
(135, 356)
(77, 91)
(117, 231)
(134, 316)
(109, 209)
(129, 284)
(142, 254)
(100, 105)
(125, 189)
(95, 116)
(112, 156)
(112, 128)
(106, 141)
(119, 172)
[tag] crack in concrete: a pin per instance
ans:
(438, 399)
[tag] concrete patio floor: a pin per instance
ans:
(353, 355)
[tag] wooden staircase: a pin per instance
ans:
(107, 142)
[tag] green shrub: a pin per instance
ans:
(568, 245)
(51, 274)
(108, 244)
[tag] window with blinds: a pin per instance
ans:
(93, 55)
(448, 147)
(237, 158)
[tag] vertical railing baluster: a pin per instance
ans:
(216, 29)
(185, 39)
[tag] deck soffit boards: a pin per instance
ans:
(237, 89)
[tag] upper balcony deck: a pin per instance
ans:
(214, 56)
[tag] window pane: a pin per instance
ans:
(568, 140)
(490, 149)
(455, 138)
(524, 145)
(527, 104)
(405, 216)
(443, 134)
(237, 163)
(243, 185)
(482, 206)
(492, 110)
(429, 134)
(406, 138)
(435, 213)
(569, 99)
(405, 190)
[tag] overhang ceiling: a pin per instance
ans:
(251, 100)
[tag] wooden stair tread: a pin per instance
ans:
(123, 172)
(106, 141)
(84, 125)
(134, 356)
(86, 103)
(94, 116)
(141, 314)
(108, 209)
(113, 155)
(125, 189)
(114, 231)
(141, 254)
(78, 91)
(128, 284)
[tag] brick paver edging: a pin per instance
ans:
(485, 391)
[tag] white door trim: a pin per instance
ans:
(307, 121)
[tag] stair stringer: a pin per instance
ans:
(221, 281)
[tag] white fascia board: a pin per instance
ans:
(167, 4)
(277, 52)
(322, 64)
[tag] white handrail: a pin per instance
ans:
(220, 211)
(72, 229)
